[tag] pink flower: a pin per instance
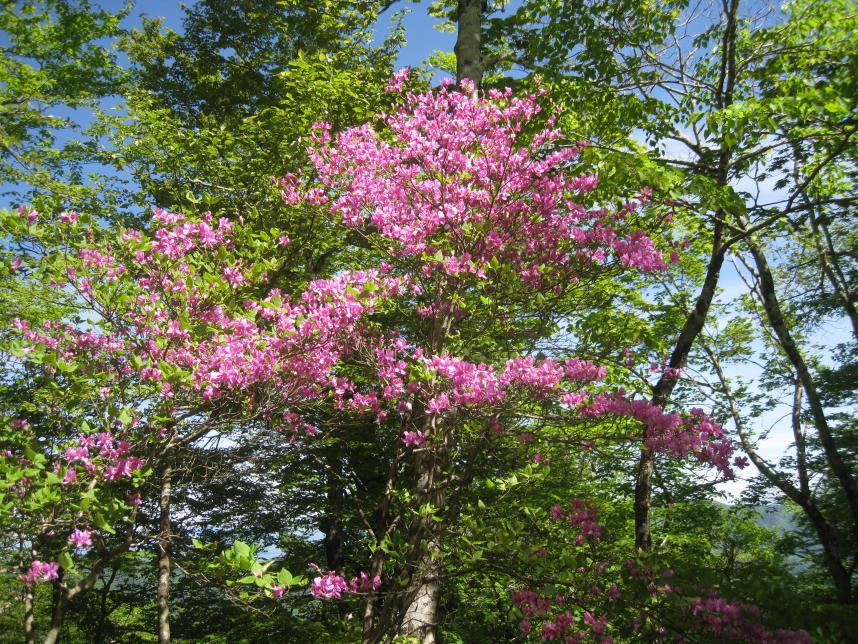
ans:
(16, 263)
(398, 80)
(364, 584)
(438, 404)
(413, 439)
(234, 276)
(614, 593)
(30, 215)
(328, 587)
(277, 590)
(40, 571)
(81, 538)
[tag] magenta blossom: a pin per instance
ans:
(40, 570)
(413, 439)
(328, 587)
(81, 538)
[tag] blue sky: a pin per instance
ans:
(422, 36)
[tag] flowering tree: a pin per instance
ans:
(477, 230)
(475, 208)
(153, 355)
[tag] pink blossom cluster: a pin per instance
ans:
(413, 439)
(332, 586)
(728, 620)
(81, 538)
(328, 586)
(68, 341)
(40, 571)
(540, 377)
(69, 217)
(363, 583)
(459, 383)
(113, 455)
(176, 237)
(557, 620)
(469, 383)
(459, 171)
(479, 384)
(32, 216)
(102, 260)
(670, 433)
(584, 516)
(290, 347)
(391, 369)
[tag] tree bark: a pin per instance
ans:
(841, 576)
(695, 321)
(774, 313)
(369, 632)
(163, 550)
(100, 634)
(666, 384)
(57, 618)
(418, 616)
(419, 619)
(87, 583)
(29, 621)
(56, 597)
(469, 62)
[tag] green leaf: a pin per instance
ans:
(65, 560)
(101, 523)
(284, 578)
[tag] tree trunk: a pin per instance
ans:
(57, 618)
(420, 615)
(330, 524)
(469, 62)
(694, 322)
(772, 306)
(163, 550)
(841, 577)
(29, 622)
(369, 632)
(666, 384)
(372, 631)
(86, 584)
(102, 608)
(419, 605)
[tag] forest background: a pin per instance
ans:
(282, 405)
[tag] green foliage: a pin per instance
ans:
(53, 65)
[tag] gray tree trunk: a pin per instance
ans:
(419, 612)
(469, 61)
(163, 549)
(29, 621)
